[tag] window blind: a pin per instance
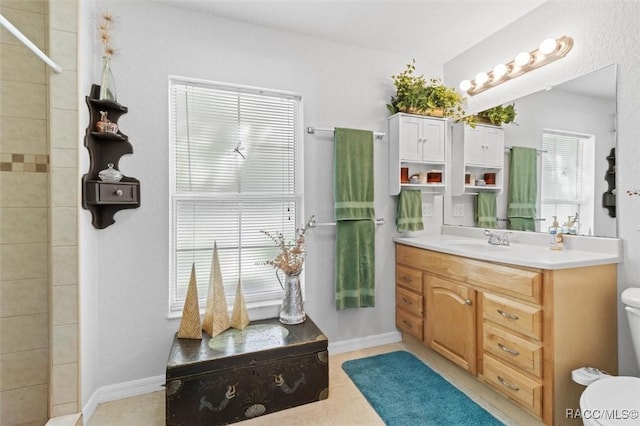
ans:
(235, 172)
(562, 182)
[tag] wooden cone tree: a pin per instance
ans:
(240, 316)
(190, 326)
(216, 315)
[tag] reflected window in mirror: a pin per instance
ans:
(567, 181)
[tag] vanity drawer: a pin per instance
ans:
(512, 349)
(516, 386)
(521, 283)
(510, 314)
(409, 323)
(409, 301)
(409, 278)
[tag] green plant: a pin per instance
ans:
(500, 114)
(416, 95)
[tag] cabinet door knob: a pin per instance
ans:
(468, 302)
(118, 192)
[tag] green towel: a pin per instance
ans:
(354, 211)
(523, 189)
(486, 210)
(409, 211)
(355, 260)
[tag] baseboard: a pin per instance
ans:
(364, 342)
(156, 383)
(121, 391)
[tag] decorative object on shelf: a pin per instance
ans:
(110, 174)
(434, 176)
(216, 315)
(106, 125)
(239, 316)
(490, 178)
(190, 325)
(416, 95)
(549, 50)
(290, 261)
(498, 115)
(107, 82)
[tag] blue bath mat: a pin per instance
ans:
(405, 391)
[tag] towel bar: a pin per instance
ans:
(313, 223)
(313, 130)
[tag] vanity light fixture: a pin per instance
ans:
(549, 50)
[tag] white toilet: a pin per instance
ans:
(614, 400)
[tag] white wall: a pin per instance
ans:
(341, 85)
(604, 33)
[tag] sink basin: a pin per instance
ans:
(473, 243)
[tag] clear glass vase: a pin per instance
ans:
(291, 310)
(107, 83)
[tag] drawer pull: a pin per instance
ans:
(407, 301)
(407, 324)
(508, 350)
(508, 315)
(507, 384)
(407, 278)
(118, 192)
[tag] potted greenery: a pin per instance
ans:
(416, 95)
(498, 115)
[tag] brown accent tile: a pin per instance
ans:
(42, 159)
(17, 158)
(5, 167)
(41, 168)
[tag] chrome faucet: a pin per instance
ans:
(497, 240)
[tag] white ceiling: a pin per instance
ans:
(437, 29)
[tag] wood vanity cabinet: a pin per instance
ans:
(519, 330)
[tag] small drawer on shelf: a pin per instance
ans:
(516, 386)
(515, 316)
(409, 301)
(409, 278)
(112, 192)
(409, 323)
(512, 349)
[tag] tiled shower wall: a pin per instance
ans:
(38, 210)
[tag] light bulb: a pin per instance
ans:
(523, 58)
(481, 78)
(465, 85)
(547, 46)
(499, 71)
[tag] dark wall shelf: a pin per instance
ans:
(609, 197)
(105, 198)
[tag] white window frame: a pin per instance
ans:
(259, 309)
(587, 201)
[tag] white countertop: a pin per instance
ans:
(526, 249)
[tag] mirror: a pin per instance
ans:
(584, 107)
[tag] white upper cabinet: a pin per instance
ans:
(484, 146)
(421, 139)
(417, 144)
(475, 154)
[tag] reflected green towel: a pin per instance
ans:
(523, 189)
(354, 211)
(409, 211)
(486, 210)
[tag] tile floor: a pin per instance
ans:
(345, 405)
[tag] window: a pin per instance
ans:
(235, 159)
(567, 178)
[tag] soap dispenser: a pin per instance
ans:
(555, 235)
